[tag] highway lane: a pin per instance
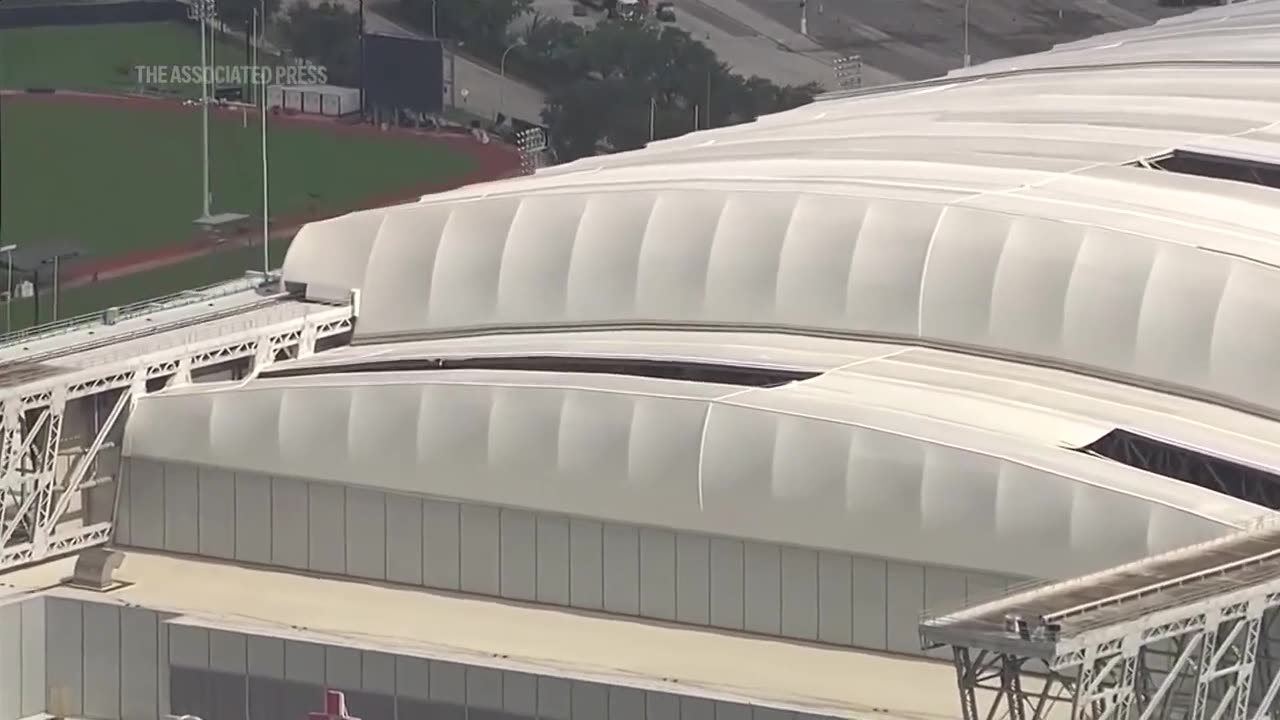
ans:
(916, 39)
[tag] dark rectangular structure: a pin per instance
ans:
(403, 73)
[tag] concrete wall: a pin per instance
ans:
(22, 658)
(109, 662)
(649, 572)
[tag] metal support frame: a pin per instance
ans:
(35, 497)
(1207, 660)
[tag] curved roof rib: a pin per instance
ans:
(1008, 214)
(850, 461)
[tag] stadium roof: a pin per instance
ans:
(1114, 218)
(903, 453)
(1070, 216)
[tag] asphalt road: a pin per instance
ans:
(486, 93)
(917, 39)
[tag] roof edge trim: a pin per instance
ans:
(1145, 383)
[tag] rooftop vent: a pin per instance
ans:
(1242, 168)
(95, 570)
(1228, 477)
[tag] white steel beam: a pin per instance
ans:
(41, 506)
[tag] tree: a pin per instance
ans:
(479, 24)
(328, 35)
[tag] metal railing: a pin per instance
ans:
(130, 311)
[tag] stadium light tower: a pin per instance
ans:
(204, 11)
(8, 298)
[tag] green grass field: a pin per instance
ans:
(115, 179)
(102, 57)
(119, 179)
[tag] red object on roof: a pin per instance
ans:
(335, 707)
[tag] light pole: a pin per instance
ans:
(502, 77)
(8, 298)
(435, 33)
(266, 222)
(966, 33)
(204, 11)
(804, 17)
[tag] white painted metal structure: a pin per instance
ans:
(110, 367)
(900, 453)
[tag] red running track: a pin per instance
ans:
(492, 162)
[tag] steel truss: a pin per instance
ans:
(1211, 660)
(36, 494)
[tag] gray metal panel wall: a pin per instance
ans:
(22, 658)
(375, 682)
(655, 573)
(101, 661)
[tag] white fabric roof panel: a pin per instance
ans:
(971, 482)
(992, 213)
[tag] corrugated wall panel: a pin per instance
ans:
(265, 657)
(590, 700)
(146, 500)
(760, 713)
(799, 593)
(657, 574)
(981, 587)
(378, 672)
(555, 699)
(342, 668)
(34, 655)
(304, 662)
(728, 578)
(217, 513)
(626, 704)
(943, 588)
(870, 603)
(253, 518)
(484, 688)
(11, 661)
(661, 706)
(413, 678)
(101, 673)
(188, 646)
(404, 539)
(441, 551)
(327, 527)
(64, 657)
(448, 683)
(762, 580)
(905, 601)
(481, 553)
(697, 709)
(731, 711)
(520, 694)
(228, 652)
(366, 520)
(693, 579)
(181, 507)
(124, 510)
(290, 523)
(835, 598)
(621, 569)
(519, 549)
(553, 559)
(586, 564)
(139, 664)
